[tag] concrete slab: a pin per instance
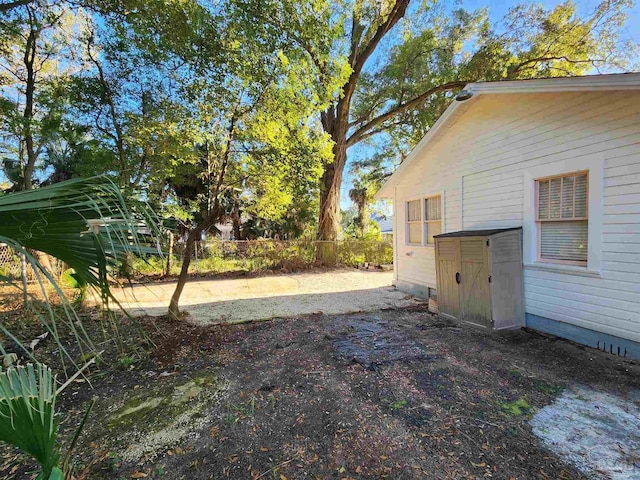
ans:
(594, 430)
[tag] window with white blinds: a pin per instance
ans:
(433, 218)
(562, 215)
(414, 222)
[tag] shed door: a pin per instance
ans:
(475, 300)
(448, 291)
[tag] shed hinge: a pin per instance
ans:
(487, 243)
(489, 278)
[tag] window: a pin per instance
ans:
(414, 223)
(424, 220)
(432, 218)
(562, 218)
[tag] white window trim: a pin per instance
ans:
(422, 198)
(595, 166)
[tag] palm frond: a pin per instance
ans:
(27, 414)
(86, 223)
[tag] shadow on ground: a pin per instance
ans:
(282, 306)
(394, 394)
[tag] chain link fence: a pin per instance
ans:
(11, 264)
(222, 256)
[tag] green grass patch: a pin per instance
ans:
(516, 408)
(400, 404)
(547, 388)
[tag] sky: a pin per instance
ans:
(497, 10)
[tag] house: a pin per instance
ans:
(559, 158)
(385, 224)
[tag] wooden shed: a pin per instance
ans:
(479, 277)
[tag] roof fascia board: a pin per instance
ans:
(627, 81)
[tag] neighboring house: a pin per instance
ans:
(385, 224)
(225, 231)
(559, 158)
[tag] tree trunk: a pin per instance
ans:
(45, 261)
(29, 93)
(27, 173)
(235, 219)
(362, 215)
(23, 276)
(194, 235)
(329, 217)
(330, 183)
(174, 305)
(192, 238)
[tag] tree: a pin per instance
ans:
(201, 115)
(369, 174)
(88, 224)
(37, 53)
(405, 61)
(124, 105)
(256, 139)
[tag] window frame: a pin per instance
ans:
(423, 222)
(566, 163)
(539, 222)
(426, 222)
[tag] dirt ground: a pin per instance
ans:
(396, 394)
(232, 300)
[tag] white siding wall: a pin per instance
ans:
(479, 162)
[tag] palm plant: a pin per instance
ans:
(87, 224)
(28, 419)
(27, 415)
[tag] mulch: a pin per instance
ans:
(396, 394)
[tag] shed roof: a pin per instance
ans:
(618, 81)
(476, 233)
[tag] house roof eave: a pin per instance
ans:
(613, 82)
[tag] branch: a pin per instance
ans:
(359, 54)
(531, 62)
(411, 104)
(118, 137)
(5, 7)
(363, 118)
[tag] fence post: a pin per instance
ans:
(195, 251)
(167, 271)
(23, 276)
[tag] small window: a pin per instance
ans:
(562, 217)
(432, 218)
(414, 223)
